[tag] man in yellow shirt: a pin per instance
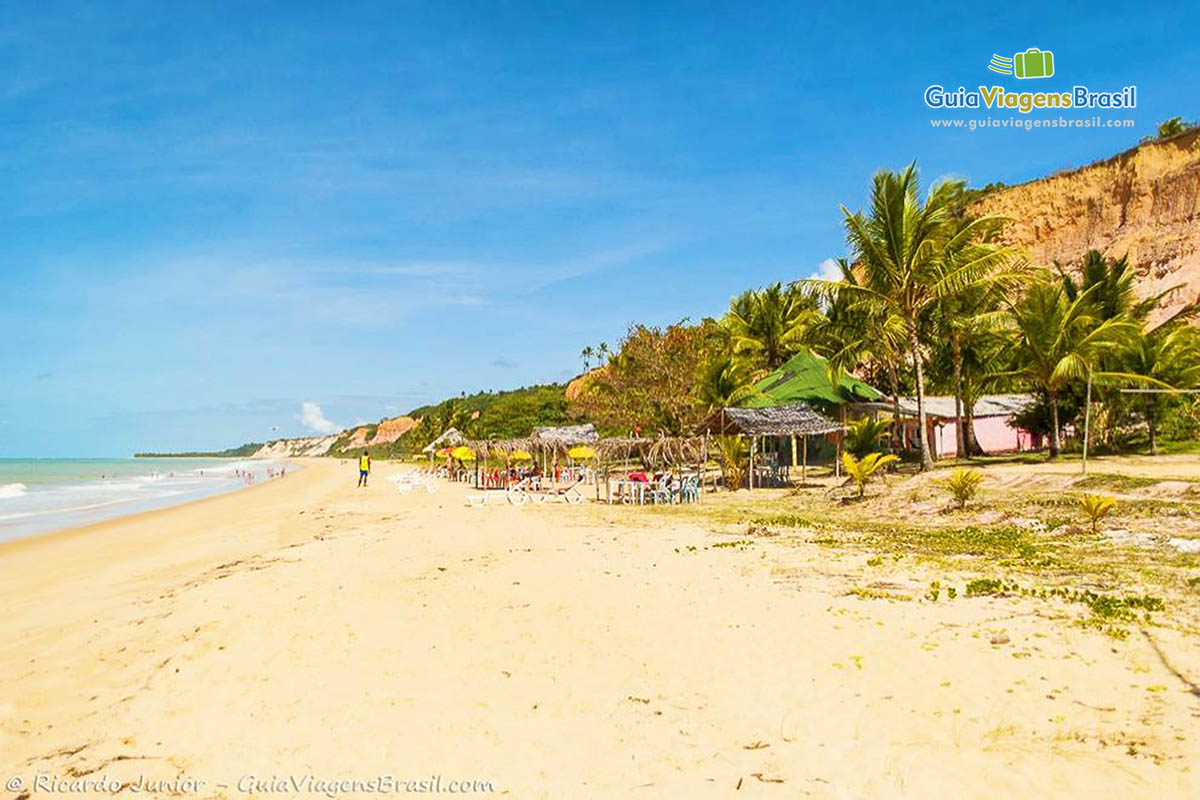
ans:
(364, 468)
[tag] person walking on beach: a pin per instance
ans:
(364, 468)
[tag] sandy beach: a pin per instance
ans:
(305, 630)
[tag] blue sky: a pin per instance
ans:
(215, 213)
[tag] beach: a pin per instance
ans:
(306, 631)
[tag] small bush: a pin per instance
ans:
(1096, 507)
(963, 484)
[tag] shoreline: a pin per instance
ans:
(23, 524)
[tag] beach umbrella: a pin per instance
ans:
(445, 451)
(521, 455)
(463, 453)
(582, 452)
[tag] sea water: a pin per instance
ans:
(45, 494)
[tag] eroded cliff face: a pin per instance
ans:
(392, 429)
(285, 448)
(1144, 202)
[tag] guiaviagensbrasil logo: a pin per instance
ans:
(1033, 63)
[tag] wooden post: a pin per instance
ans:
(804, 467)
(750, 478)
(1087, 420)
(793, 465)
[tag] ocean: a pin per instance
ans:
(39, 495)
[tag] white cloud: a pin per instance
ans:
(828, 270)
(312, 417)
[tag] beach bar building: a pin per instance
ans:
(789, 425)
(993, 422)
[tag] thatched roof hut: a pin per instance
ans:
(662, 450)
(500, 448)
(565, 435)
(451, 437)
(795, 419)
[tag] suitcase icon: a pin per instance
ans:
(1033, 63)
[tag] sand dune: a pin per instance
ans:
(306, 628)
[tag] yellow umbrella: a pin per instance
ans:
(463, 453)
(521, 455)
(582, 452)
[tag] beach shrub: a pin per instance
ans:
(734, 455)
(864, 469)
(1096, 507)
(963, 484)
(863, 435)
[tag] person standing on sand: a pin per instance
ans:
(364, 468)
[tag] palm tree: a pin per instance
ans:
(1058, 340)
(1169, 356)
(848, 332)
(758, 322)
(725, 383)
(862, 470)
(587, 354)
(603, 352)
(1115, 282)
(901, 250)
(963, 317)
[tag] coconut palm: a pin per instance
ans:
(758, 322)
(963, 319)
(864, 434)
(587, 354)
(725, 383)
(1057, 340)
(1170, 356)
(848, 332)
(862, 470)
(1115, 281)
(901, 251)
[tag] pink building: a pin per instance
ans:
(994, 426)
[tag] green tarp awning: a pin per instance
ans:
(805, 379)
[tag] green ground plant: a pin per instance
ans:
(1096, 507)
(963, 485)
(863, 470)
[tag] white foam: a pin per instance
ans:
(12, 490)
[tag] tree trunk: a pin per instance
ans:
(897, 423)
(960, 428)
(973, 447)
(1055, 441)
(919, 367)
(1152, 426)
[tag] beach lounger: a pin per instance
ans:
(518, 494)
(567, 494)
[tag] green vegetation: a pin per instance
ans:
(1171, 127)
(1096, 507)
(865, 435)
(248, 449)
(506, 414)
(963, 484)
(862, 470)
